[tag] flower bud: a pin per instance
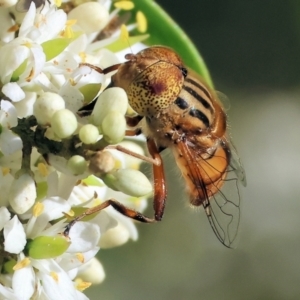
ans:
(22, 193)
(89, 134)
(113, 127)
(7, 3)
(90, 16)
(113, 99)
(92, 271)
(46, 105)
(77, 164)
(63, 123)
(114, 237)
(102, 162)
(132, 182)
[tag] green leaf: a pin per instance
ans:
(90, 91)
(8, 266)
(54, 47)
(44, 247)
(41, 190)
(19, 71)
(164, 31)
(92, 181)
(120, 45)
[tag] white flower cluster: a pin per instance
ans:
(53, 163)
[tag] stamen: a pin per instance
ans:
(125, 5)
(38, 209)
(141, 22)
(22, 264)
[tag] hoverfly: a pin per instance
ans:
(177, 110)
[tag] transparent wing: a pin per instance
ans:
(214, 184)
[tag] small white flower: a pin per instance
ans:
(22, 193)
(13, 92)
(14, 235)
(9, 142)
(45, 175)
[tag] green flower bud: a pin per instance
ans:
(44, 247)
(63, 123)
(132, 182)
(89, 134)
(77, 164)
(113, 127)
(113, 99)
(46, 105)
(90, 16)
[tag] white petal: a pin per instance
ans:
(25, 107)
(84, 237)
(55, 23)
(4, 216)
(54, 207)
(14, 236)
(22, 193)
(11, 57)
(70, 261)
(133, 233)
(60, 289)
(13, 91)
(9, 142)
(104, 221)
(28, 20)
(8, 119)
(39, 58)
(81, 296)
(7, 293)
(23, 282)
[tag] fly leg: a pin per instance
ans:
(160, 192)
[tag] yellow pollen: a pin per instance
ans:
(126, 5)
(80, 257)
(5, 171)
(141, 22)
(42, 168)
(72, 82)
(38, 209)
(124, 33)
(82, 285)
(54, 276)
(57, 3)
(71, 22)
(22, 264)
(118, 164)
(27, 44)
(68, 32)
(71, 213)
(82, 55)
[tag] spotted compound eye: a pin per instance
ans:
(152, 79)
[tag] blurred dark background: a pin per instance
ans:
(252, 49)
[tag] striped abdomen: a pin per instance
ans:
(197, 110)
